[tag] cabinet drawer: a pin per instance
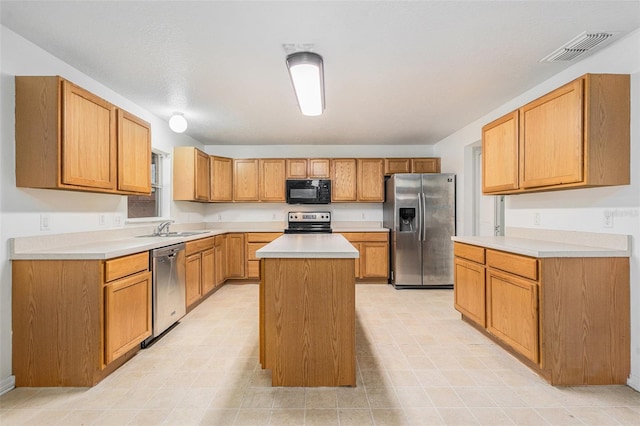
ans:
(466, 251)
(202, 244)
(126, 265)
(262, 237)
(516, 264)
(251, 250)
(366, 236)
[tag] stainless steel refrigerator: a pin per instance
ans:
(420, 211)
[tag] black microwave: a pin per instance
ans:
(308, 191)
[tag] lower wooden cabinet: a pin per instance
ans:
(127, 314)
(566, 317)
(373, 264)
(220, 259)
(235, 256)
(255, 241)
(199, 269)
(75, 321)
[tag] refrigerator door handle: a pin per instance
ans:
(420, 213)
(423, 219)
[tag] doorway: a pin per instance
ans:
(488, 210)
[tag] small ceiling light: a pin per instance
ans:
(307, 75)
(178, 123)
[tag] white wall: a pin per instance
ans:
(573, 210)
(69, 211)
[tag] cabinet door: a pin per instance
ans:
(296, 168)
(193, 274)
(319, 168)
(253, 263)
(208, 270)
(374, 260)
(134, 154)
(425, 165)
(551, 138)
(127, 314)
(272, 177)
(358, 261)
(245, 180)
(500, 154)
(202, 176)
(235, 256)
(397, 165)
(88, 139)
(220, 259)
(512, 312)
(343, 179)
(370, 179)
(469, 290)
(221, 178)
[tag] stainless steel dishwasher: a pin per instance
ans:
(168, 288)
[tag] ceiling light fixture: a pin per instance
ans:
(307, 75)
(178, 123)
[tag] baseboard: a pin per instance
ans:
(634, 382)
(7, 384)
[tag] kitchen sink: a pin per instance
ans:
(174, 234)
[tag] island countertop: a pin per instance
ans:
(297, 246)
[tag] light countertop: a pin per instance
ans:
(309, 246)
(542, 248)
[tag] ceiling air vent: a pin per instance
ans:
(576, 47)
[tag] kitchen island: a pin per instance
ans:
(307, 310)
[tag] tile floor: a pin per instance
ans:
(418, 363)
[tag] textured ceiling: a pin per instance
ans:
(395, 72)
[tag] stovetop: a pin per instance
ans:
(309, 222)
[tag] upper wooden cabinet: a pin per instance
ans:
(191, 174)
(134, 153)
(500, 154)
(221, 178)
(296, 168)
(574, 137)
(246, 178)
(370, 179)
(69, 138)
(397, 165)
(272, 180)
(343, 179)
(319, 168)
(411, 165)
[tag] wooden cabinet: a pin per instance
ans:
(199, 269)
(272, 180)
(246, 178)
(343, 179)
(319, 168)
(500, 154)
(57, 304)
(235, 256)
(255, 241)
(370, 181)
(469, 291)
(576, 136)
(191, 174)
(411, 165)
(425, 165)
(127, 292)
(373, 264)
(296, 168)
(220, 259)
(134, 153)
(567, 317)
(221, 178)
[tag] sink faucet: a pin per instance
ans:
(163, 227)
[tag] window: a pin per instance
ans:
(148, 206)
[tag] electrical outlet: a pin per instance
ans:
(273, 216)
(219, 217)
(607, 220)
(362, 216)
(117, 220)
(45, 222)
(102, 219)
(536, 219)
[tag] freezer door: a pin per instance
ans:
(438, 200)
(406, 256)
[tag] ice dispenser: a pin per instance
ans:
(407, 219)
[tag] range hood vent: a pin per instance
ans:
(578, 46)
